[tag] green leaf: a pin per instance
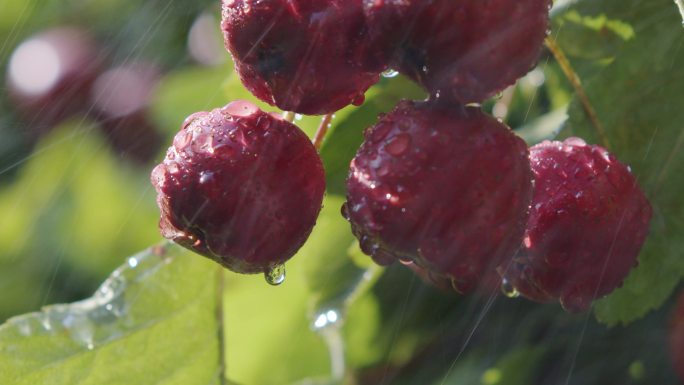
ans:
(55, 219)
(636, 100)
(518, 367)
(152, 322)
(269, 340)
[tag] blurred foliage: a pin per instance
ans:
(633, 98)
(72, 211)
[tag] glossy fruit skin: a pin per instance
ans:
(50, 74)
(444, 186)
(465, 50)
(588, 222)
(240, 186)
(676, 337)
(307, 56)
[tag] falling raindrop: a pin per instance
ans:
(276, 275)
(508, 290)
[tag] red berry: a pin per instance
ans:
(676, 337)
(240, 186)
(447, 187)
(465, 50)
(306, 56)
(49, 76)
(588, 221)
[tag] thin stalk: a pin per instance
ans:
(574, 80)
(322, 131)
(289, 116)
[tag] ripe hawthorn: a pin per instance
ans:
(446, 187)
(588, 221)
(308, 56)
(465, 50)
(240, 186)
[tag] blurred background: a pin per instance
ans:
(92, 92)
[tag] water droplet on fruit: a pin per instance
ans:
(406, 261)
(205, 177)
(276, 275)
(390, 73)
(359, 100)
(508, 290)
(344, 211)
(398, 145)
(299, 117)
(241, 108)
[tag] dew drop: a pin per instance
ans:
(358, 100)
(390, 73)
(276, 275)
(240, 108)
(508, 290)
(299, 117)
(205, 176)
(406, 261)
(398, 145)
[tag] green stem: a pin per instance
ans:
(289, 116)
(574, 80)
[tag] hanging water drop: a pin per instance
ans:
(276, 275)
(508, 290)
(390, 73)
(406, 261)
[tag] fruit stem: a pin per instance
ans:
(333, 339)
(322, 131)
(289, 116)
(576, 83)
(220, 325)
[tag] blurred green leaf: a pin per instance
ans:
(68, 218)
(591, 37)
(269, 339)
(518, 367)
(633, 98)
(152, 322)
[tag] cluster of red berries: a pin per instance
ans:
(438, 185)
